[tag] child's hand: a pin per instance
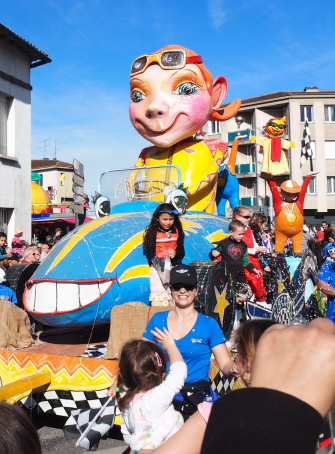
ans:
(267, 268)
(112, 390)
(215, 253)
(164, 338)
(257, 272)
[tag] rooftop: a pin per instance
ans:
(46, 162)
(308, 92)
(37, 57)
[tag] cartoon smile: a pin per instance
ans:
(63, 296)
(156, 131)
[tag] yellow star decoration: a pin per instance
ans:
(221, 302)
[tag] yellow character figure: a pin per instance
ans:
(172, 96)
(274, 156)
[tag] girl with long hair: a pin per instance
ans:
(147, 413)
(164, 237)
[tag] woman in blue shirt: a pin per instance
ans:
(197, 337)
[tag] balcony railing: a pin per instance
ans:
(245, 168)
(248, 201)
(247, 133)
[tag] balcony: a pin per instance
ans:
(242, 169)
(247, 133)
(248, 201)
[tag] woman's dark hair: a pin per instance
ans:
(248, 334)
(17, 433)
(149, 238)
(256, 221)
(142, 367)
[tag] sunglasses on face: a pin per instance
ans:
(187, 287)
(274, 125)
(168, 59)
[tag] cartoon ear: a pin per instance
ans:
(219, 91)
(227, 112)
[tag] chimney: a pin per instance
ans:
(311, 89)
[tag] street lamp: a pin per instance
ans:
(239, 120)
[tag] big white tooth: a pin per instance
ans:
(45, 300)
(30, 297)
(67, 296)
(88, 293)
(104, 286)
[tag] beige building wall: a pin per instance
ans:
(257, 112)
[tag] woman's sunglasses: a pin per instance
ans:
(187, 287)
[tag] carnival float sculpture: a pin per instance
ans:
(274, 146)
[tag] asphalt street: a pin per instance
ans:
(50, 430)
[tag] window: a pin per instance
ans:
(330, 149)
(306, 113)
(329, 114)
(40, 182)
(330, 185)
(312, 187)
(3, 125)
(214, 127)
(4, 219)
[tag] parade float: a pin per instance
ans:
(100, 266)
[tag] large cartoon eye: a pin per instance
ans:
(137, 96)
(187, 89)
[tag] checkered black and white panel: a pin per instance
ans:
(61, 403)
(221, 384)
(91, 425)
(95, 351)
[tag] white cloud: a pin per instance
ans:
(217, 13)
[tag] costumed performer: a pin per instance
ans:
(274, 157)
(289, 212)
(172, 96)
(163, 237)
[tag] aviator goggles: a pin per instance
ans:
(168, 59)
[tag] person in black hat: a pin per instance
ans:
(197, 337)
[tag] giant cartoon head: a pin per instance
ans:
(276, 127)
(172, 95)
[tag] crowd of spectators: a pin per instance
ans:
(21, 251)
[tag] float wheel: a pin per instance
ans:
(216, 297)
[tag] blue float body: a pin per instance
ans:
(88, 257)
(229, 191)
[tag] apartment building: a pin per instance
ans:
(17, 58)
(318, 107)
(56, 178)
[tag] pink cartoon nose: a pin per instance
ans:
(157, 109)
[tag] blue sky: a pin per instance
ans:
(81, 98)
